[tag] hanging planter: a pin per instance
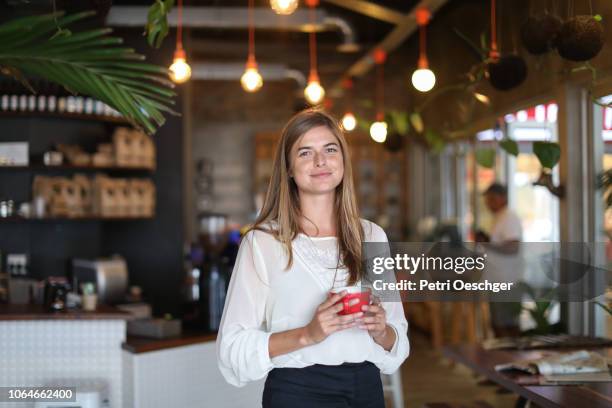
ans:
(507, 72)
(539, 33)
(504, 72)
(398, 128)
(394, 142)
(581, 38)
(546, 180)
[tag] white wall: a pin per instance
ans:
(185, 377)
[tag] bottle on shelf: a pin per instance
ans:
(214, 285)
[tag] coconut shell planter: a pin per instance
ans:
(580, 38)
(507, 72)
(394, 142)
(539, 33)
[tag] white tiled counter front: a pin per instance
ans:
(37, 352)
(185, 377)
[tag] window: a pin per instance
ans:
(477, 179)
(602, 125)
(537, 208)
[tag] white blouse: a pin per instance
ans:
(264, 298)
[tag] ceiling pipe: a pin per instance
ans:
(370, 9)
(393, 40)
(236, 18)
(349, 43)
(232, 71)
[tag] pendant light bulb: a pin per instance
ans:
(378, 131)
(180, 71)
(314, 92)
(423, 79)
(349, 122)
(284, 7)
(251, 80)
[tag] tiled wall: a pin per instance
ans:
(70, 352)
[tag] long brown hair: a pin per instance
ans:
(282, 207)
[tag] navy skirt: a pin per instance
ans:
(350, 385)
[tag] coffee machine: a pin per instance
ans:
(110, 275)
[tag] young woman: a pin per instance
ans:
(280, 317)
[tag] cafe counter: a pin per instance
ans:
(183, 372)
(72, 348)
(75, 347)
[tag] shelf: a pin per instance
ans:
(68, 167)
(65, 115)
(74, 219)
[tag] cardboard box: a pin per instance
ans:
(83, 185)
(100, 159)
(124, 145)
(145, 151)
(143, 198)
(105, 203)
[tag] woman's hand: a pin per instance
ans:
(327, 320)
(375, 321)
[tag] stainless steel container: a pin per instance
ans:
(110, 275)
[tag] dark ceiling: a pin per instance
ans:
(272, 46)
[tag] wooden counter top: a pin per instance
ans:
(38, 312)
(136, 345)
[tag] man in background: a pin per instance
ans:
(507, 231)
(504, 238)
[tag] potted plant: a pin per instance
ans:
(580, 38)
(89, 62)
(539, 33)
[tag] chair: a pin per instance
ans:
(393, 384)
(466, 316)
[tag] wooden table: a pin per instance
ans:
(593, 395)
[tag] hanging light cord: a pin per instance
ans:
(350, 94)
(179, 30)
(422, 19)
(423, 44)
(251, 30)
(493, 53)
(312, 41)
(381, 91)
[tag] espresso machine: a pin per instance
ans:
(203, 301)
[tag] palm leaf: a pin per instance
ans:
(90, 63)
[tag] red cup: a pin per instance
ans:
(353, 292)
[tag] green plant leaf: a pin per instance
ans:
(363, 124)
(435, 141)
(481, 53)
(548, 153)
(484, 41)
(366, 103)
(417, 122)
(89, 63)
(510, 146)
(485, 157)
(604, 307)
(156, 28)
(399, 122)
